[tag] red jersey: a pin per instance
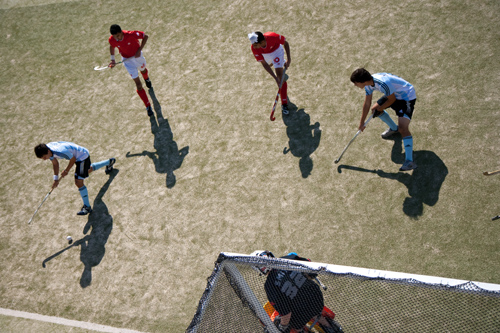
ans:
(129, 45)
(273, 41)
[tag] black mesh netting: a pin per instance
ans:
(361, 304)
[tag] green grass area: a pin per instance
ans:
(143, 262)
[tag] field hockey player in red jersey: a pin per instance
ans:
(130, 49)
(268, 49)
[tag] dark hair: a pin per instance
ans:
(114, 29)
(360, 75)
(260, 36)
(41, 150)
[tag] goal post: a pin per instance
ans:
(362, 299)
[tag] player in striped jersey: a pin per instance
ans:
(77, 155)
(130, 49)
(399, 95)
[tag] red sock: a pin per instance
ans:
(284, 99)
(145, 74)
(144, 97)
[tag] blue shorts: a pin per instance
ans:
(82, 168)
(402, 108)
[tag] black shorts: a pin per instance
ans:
(82, 169)
(307, 311)
(401, 107)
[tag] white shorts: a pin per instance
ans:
(277, 58)
(134, 65)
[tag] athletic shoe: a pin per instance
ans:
(148, 83)
(109, 168)
(333, 328)
(85, 210)
(150, 111)
(388, 133)
(408, 165)
(284, 109)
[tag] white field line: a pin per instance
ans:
(66, 322)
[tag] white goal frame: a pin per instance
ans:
(228, 264)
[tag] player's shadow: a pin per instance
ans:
(167, 158)
(423, 183)
(93, 245)
(303, 138)
(100, 224)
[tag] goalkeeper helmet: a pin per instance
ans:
(261, 253)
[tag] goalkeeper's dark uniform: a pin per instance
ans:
(292, 291)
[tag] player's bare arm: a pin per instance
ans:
(366, 109)
(270, 71)
(143, 43)
(112, 53)
(55, 166)
(285, 320)
(288, 57)
(68, 168)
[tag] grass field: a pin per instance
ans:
(212, 176)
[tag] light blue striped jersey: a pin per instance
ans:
(66, 150)
(389, 84)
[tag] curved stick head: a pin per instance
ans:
(100, 68)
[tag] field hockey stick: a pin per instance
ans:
(320, 283)
(36, 211)
(316, 320)
(491, 173)
(357, 133)
(101, 68)
(78, 242)
(278, 95)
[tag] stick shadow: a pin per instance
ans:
(92, 246)
(423, 184)
(167, 158)
(303, 138)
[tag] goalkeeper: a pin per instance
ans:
(293, 294)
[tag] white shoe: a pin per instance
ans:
(388, 133)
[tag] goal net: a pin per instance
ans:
(362, 300)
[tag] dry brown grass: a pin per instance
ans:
(235, 190)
